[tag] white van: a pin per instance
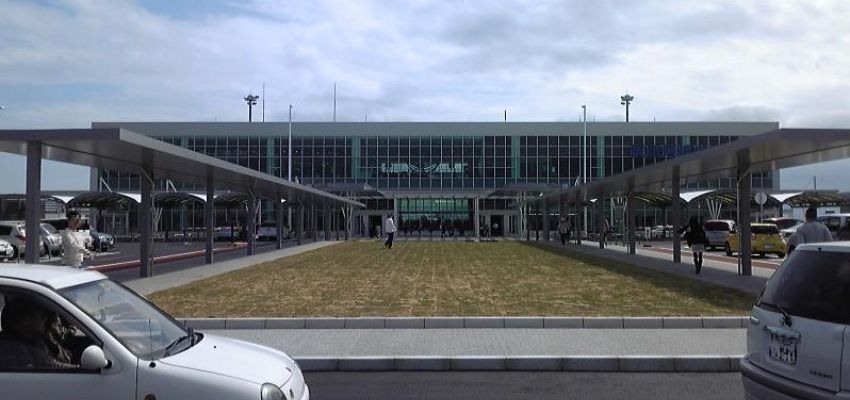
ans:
(798, 340)
(72, 334)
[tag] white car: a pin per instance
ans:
(6, 250)
(798, 340)
(117, 345)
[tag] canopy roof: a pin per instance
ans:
(123, 150)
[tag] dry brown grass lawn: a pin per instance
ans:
(445, 278)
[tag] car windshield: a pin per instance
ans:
(139, 325)
(787, 223)
(811, 284)
(716, 226)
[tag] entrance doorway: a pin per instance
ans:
(423, 216)
(374, 225)
(497, 225)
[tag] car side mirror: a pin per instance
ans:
(93, 358)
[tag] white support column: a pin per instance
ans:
(476, 222)
(145, 223)
(630, 214)
(744, 219)
(676, 215)
(252, 224)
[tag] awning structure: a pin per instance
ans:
(522, 190)
(104, 200)
(815, 198)
(125, 151)
(176, 199)
(353, 190)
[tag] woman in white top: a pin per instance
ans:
(73, 243)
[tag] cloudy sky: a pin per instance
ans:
(65, 63)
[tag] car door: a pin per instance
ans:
(20, 379)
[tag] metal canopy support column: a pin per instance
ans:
(33, 202)
(299, 222)
(744, 229)
(326, 223)
(336, 213)
(252, 224)
(600, 221)
(676, 211)
(145, 223)
(278, 207)
(314, 222)
(209, 220)
(545, 216)
(579, 222)
(476, 223)
(630, 214)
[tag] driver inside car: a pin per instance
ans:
(39, 331)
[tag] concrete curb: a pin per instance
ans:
(471, 323)
(707, 363)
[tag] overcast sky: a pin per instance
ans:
(66, 63)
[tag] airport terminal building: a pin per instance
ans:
(424, 172)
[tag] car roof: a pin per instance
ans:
(840, 247)
(762, 224)
(52, 276)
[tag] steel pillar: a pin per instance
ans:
(630, 215)
(278, 207)
(476, 222)
(252, 225)
(600, 221)
(145, 223)
(545, 216)
(676, 215)
(744, 228)
(33, 202)
(209, 220)
(314, 223)
(299, 223)
(326, 223)
(579, 222)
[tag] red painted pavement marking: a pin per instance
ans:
(161, 259)
(756, 263)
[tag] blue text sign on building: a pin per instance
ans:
(664, 150)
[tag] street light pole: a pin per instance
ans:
(252, 101)
(584, 164)
(626, 100)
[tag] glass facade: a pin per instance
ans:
(442, 162)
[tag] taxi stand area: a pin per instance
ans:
(125, 151)
(782, 148)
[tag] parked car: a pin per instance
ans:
(223, 233)
(765, 240)
(14, 232)
(267, 231)
(835, 222)
(51, 239)
(60, 224)
(797, 338)
(717, 230)
(123, 347)
(101, 241)
(783, 222)
(6, 250)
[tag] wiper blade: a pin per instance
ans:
(174, 345)
(786, 318)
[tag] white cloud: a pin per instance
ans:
(425, 60)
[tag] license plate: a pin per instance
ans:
(783, 346)
(768, 246)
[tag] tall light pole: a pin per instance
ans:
(289, 152)
(252, 101)
(626, 100)
(584, 163)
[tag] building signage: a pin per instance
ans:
(663, 150)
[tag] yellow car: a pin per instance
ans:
(766, 240)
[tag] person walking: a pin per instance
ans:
(603, 236)
(389, 228)
(697, 240)
(73, 242)
(564, 230)
(810, 232)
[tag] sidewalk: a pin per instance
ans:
(695, 350)
(713, 271)
(156, 283)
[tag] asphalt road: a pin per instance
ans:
(523, 385)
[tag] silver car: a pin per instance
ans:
(51, 239)
(6, 250)
(799, 331)
(717, 231)
(14, 232)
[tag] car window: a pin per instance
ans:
(36, 335)
(812, 284)
(5, 230)
(765, 230)
(141, 327)
(49, 229)
(716, 226)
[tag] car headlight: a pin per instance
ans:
(270, 391)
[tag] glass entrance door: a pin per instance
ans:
(426, 216)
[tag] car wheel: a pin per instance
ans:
(762, 255)
(728, 249)
(15, 253)
(44, 250)
(780, 255)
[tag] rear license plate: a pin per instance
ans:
(783, 346)
(768, 246)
